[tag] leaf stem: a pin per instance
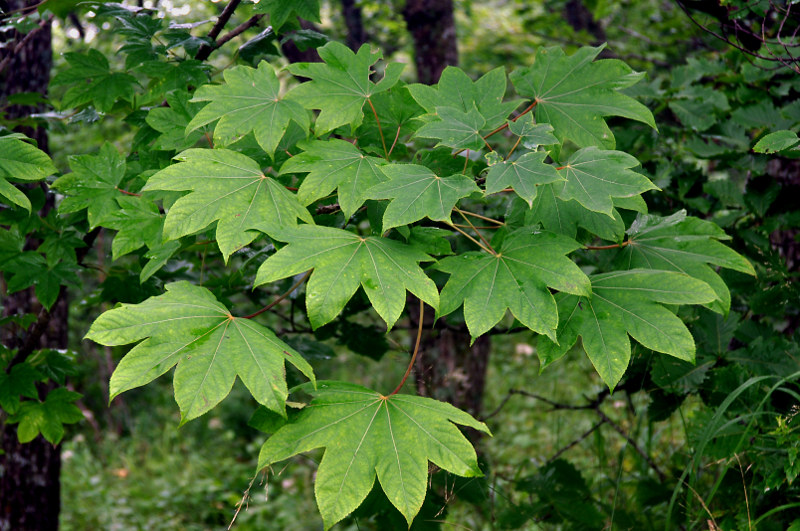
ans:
(281, 296)
(380, 129)
(396, 137)
(416, 349)
(475, 229)
(603, 247)
(129, 193)
(473, 240)
(513, 148)
(484, 218)
(528, 109)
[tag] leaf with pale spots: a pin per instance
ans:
(250, 100)
(335, 164)
(368, 435)
(342, 261)
(595, 176)
(575, 93)
(524, 175)
(416, 192)
(517, 278)
(229, 188)
(188, 327)
(687, 245)
(340, 85)
(626, 303)
(455, 128)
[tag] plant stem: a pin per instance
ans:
(473, 240)
(281, 296)
(475, 229)
(484, 218)
(129, 193)
(416, 349)
(380, 130)
(396, 136)
(513, 148)
(603, 247)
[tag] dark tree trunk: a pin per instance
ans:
(356, 36)
(447, 367)
(581, 19)
(433, 28)
(29, 473)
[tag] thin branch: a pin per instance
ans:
(575, 442)
(28, 36)
(328, 209)
(224, 17)
(238, 30)
(416, 349)
(281, 296)
(624, 434)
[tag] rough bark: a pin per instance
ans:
(356, 36)
(29, 473)
(580, 18)
(432, 26)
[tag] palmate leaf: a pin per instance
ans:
(456, 91)
(455, 128)
(365, 435)
(280, 11)
(138, 222)
(47, 417)
(417, 192)
(626, 303)
(574, 93)
(517, 278)
(342, 261)
(595, 176)
(524, 175)
(564, 217)
(229, 188)
(187, 326)
(93, 184)
(340, 86)
(21, 161)
(685, 244)
(93, 81)
(333, 164)
(250, 100)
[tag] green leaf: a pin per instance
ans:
(229, 188)
(138, 223)
(532, 134)
(341, 85)
(171, 122)
(31, 269)
(574, 93)
(564, 217)
(594, 177)
(280, 11)
(417, 192)
(524, 175)
(342, 261)
(187, 326)
(48, 417)
(627, 303)
(684, 244)
(366, 435)
(19, 160)
(93, 184)
(777, 141)
(456, 91)
(19, 382)
(455, 128)
(517, 278)
(250, 100)
(93, 82)
(333, 164)
(60, 247)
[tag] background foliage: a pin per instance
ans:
(706, 444)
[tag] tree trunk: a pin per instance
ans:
(581, 19)
(30, 495)
(356, 36)
(432, 26)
